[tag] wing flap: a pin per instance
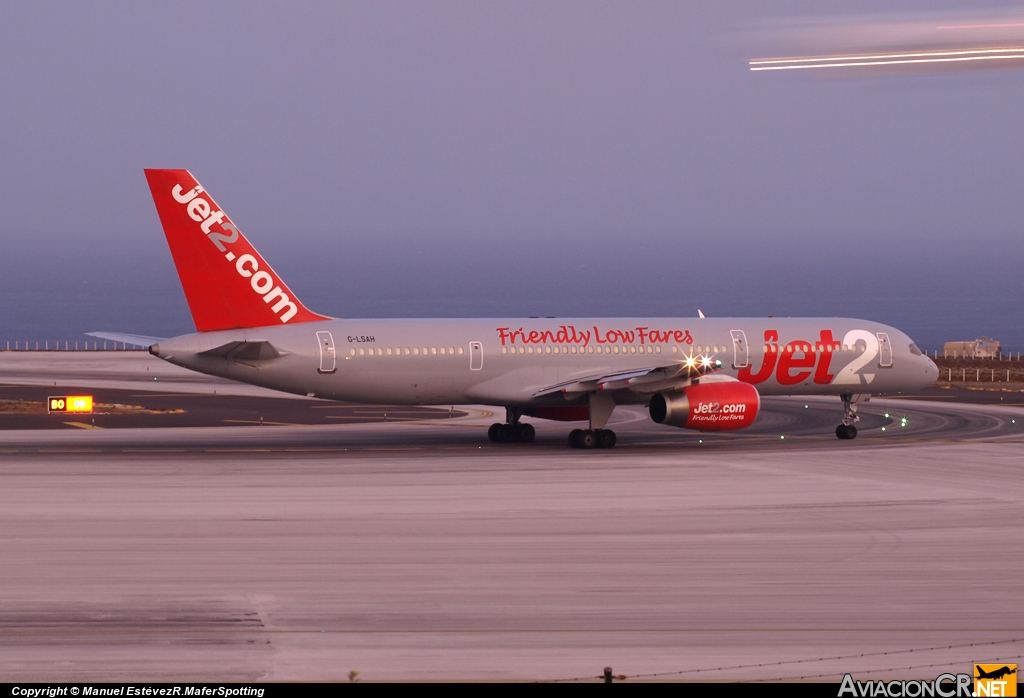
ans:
(652, 379)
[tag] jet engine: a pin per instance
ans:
(708, 406)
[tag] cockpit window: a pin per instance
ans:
(914, 350)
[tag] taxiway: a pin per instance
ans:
(419, 550)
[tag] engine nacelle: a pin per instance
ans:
(708, 406)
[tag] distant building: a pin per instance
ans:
(981, 348)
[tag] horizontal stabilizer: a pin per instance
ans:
(255, 350)
(139, 340)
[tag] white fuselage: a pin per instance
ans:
(507, 362)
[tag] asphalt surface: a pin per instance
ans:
(416, 549)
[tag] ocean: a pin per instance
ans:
(48, 297)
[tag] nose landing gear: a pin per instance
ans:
(847, 430)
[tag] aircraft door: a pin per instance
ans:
(476, 356)
(327, 356)
(739, 349)
(884, 350)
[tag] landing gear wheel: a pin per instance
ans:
(525, 433)
(494, 433)
(574, 438)
(846, 431)
(605, 438)
(507, 433)
(587, 439)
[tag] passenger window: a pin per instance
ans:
(442, 351)
(416, 351)
(573, 350)
(433, 350)
(460, 351)
(590, 350)
(504, 350)
(547, 350)
(352, 352)
(361, 352)
(451, 350)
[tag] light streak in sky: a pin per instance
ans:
(867, 60)
(980, 26)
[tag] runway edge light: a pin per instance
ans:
(69, 403)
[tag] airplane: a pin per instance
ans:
(995, 674)
(698, 373)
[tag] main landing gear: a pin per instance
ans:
(513, 431)
(601, 406)
(847, 430)
(592, 438)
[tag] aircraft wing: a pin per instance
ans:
(644, 380)
(140, 340)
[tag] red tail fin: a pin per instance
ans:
(227, 283)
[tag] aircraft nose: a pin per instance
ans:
(931, 370)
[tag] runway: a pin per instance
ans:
(418, 550)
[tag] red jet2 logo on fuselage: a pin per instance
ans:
(790, 364)
(798, 360)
